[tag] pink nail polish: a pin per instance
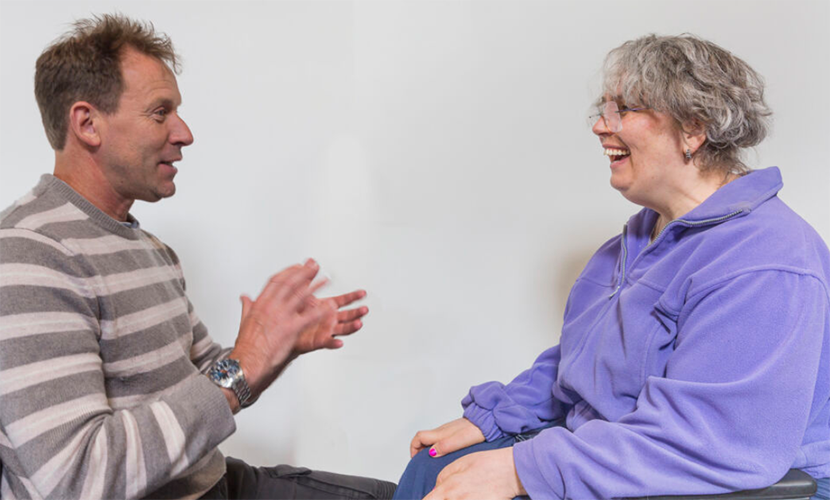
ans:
(432, 452)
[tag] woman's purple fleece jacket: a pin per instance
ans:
(699, 363)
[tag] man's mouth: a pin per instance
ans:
(616, 154)
(169, 163)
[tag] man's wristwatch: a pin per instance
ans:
(228, 374)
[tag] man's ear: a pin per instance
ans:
(85, 122)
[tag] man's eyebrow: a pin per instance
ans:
(164, 102)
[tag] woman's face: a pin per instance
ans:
(646, 155)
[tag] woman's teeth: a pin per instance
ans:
(616, 152)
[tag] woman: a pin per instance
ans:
(695, 351)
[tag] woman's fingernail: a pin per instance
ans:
(432, 452)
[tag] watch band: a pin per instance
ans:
(242, 391)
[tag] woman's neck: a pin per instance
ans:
(685, 199)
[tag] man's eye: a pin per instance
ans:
(161, 113)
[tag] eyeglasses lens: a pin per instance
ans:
(611, 115)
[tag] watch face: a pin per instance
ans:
(225, 372)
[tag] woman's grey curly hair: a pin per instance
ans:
(698, 84)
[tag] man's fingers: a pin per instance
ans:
(347, 328)
(280, 285)
(329, 342)
(297, 286)
(317, 285)
(246, 305)
(348, 322)
(348, 298)
(333, 343)
(301, 285)
(352, 314)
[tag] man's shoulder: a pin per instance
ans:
(25, 206)
(38, 227)
(25, 238)
(41, 206)
(21, 223)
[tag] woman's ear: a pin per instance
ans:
(694, 135)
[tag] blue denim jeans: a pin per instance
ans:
(419, 477)
(823, 492)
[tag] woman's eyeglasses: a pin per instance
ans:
(612, 115)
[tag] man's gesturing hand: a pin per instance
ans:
(321, 335)
(272, 323)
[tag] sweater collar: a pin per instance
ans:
(95, 214)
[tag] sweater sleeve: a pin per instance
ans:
(728, 415)
(525, 404)
(204, 352)
(61, 437)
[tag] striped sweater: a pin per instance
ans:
(101, 356)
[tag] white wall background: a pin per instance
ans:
(435, 153)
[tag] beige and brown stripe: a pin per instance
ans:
(101, 356)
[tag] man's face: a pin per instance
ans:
(142, 139)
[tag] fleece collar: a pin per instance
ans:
(743, 195)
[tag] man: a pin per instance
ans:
(103, 363)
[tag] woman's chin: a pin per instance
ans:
(620, 182)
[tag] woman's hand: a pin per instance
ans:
(448, 438)
(479, 476)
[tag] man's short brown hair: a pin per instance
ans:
(85, 65)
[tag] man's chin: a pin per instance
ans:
(159, 194)
(167, 193)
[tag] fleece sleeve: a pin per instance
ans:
(524, 404)
(62, 433)
(729, 414)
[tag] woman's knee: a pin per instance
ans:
(419, 477)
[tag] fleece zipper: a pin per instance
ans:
(687, 223)
(622, 264)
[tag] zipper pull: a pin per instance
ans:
(623, 258)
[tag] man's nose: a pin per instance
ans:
(181, 134)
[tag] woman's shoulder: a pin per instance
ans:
(774, 234)
(770, 239)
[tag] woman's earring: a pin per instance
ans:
(688, 154)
